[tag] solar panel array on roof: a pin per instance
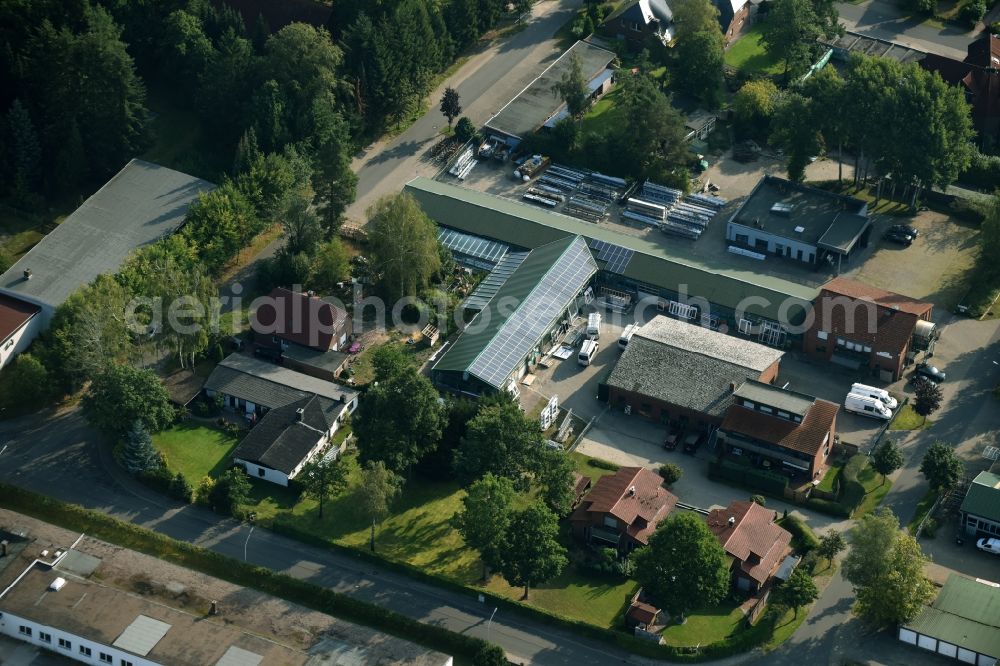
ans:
(473, 246)
(488, 288)
(142, 635)
(527, 325)
(616, 256)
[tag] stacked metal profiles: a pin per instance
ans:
(562, 179)
(464, 164)
(543, 197)
(659, 194)
(706, 200)
(645, 212)
(586, 209)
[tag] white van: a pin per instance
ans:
(594, 326)
(587, 352)
(867, 406)
(877, 393)
(627, 335)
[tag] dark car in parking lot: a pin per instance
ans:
(692, 441)
(904, 229)
(673, 436)
(929, 372)
(898, 237)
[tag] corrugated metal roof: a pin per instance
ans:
(139, 205)
(966, 613)
(142, 635)
(270, 385)
(500, 337)
(527, 226)
(983, 498)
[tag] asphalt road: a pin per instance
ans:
(60, 455)
(487, 81)
(882, 19)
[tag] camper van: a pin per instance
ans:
(594, 326)
(877, 393)
(587, 352)
(627, 335)
(867, 406)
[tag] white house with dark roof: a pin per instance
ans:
(141, 204)
(287, 438)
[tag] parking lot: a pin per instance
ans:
(934, 268)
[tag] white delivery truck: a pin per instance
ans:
(627, 335)
(867, 406)
(877, 393)
(587, 352)
(594, 326)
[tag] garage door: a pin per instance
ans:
(927, 643)
(908, 636)
(947, 649)
(968, 656)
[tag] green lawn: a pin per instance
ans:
(582, 464)
(907, 419)
(419, 532)
(829, 482)
(923, 508)
(748, 55)
(603, 117)
(707, 625)
(875, 489)
(195, 450)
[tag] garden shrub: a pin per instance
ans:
(602, 464)
(974, 12)
(803, 538)
(829, 507)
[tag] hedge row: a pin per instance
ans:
(803, 539)
(99, 525)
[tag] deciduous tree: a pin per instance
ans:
(403, 246)
(887, 458)
(553, 475)
(532, 554)
(488, 507)
(684, 567)
(830, 545)
(942, 468)
(885, 566)
(231, 490)
(323, 478)
(451, 106)
(572, 88)
(699, 50)
(502, 441)
(651, 133)
(331, 265)
(794, 129)
(798, 591)
(927, 398)
(399, 421)
(754, 105)
(374, 496)
(122, 395)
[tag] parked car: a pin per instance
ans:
(904, 229)
(989, 545)
(930, 372)
(673, 436)
(898, 237)
(692, 441)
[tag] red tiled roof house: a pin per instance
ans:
(857, 325)
(623, 509)
(779, 429)
(748, 534)
(310, 332)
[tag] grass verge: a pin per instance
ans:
(876, 489)
(923, 508)
(907, 419)
(129, 535)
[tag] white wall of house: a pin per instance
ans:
(790, 247)
(33, 632)
(256, 471)
(20, 340)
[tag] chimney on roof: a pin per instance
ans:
(299, 413)
(214, 608)
(27, 273)
(732, 387)
(3, 548)
(732, 520)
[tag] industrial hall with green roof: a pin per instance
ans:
(962, 623)
(980, 511)
(527, 302)
(739, 299)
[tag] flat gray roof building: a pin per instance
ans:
(142, 203)
(536, 103)
(800, 222)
